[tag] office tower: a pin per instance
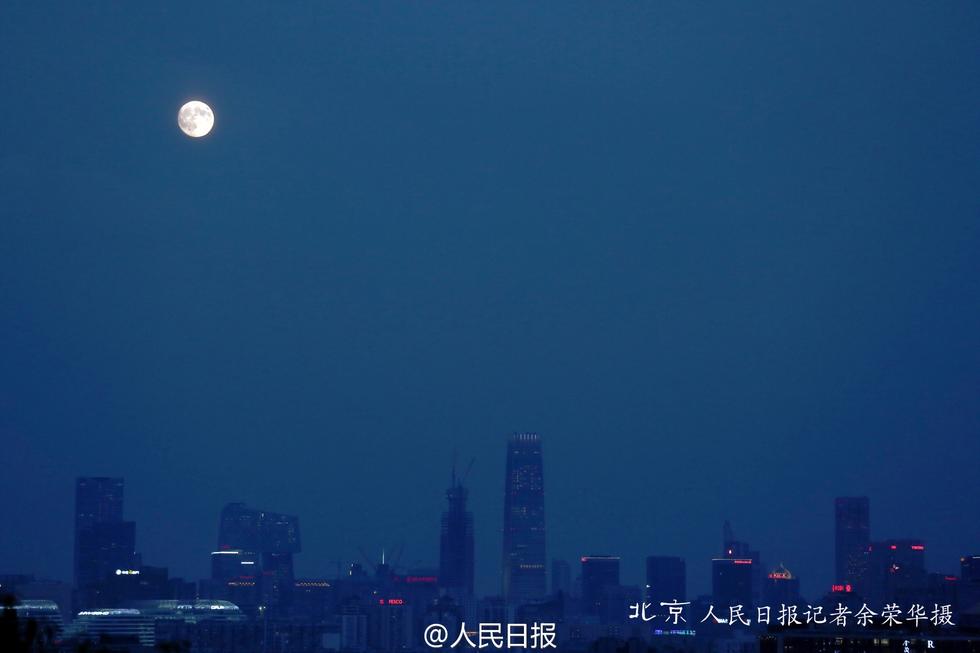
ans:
(247, 536)
(561, 576)
(895, 568)
(733, 548)
(614, 607)
(731, 581)
(389, 625)
(103, 541)
(852, 534)
(940, 589)
(115, 549)
(970, 569)
(524, 534)
(240, 527)
(97, 501)
(353, 629)
(456, 543)
(666, 579)
(600, 573)
(969, 591)
(781, 587)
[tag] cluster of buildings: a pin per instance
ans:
(254, 601)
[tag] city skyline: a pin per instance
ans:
(106, 500)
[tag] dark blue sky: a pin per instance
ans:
(723, 258)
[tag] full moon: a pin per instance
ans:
(195, 119)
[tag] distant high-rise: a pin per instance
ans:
(969, 591)
(852, 535)
(733, 548)
(970, 569)
(599, 574)
(895, 566)
(666, 579)
(781, 587)
(732, 581)
(524, 533)
(103, 541)
(97, 501)
(456, 542)
(247, 536)
(561, 576)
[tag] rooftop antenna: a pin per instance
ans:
(466, 474)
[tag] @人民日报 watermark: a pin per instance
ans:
(496, 635)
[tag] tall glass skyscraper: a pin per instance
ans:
(103, 541)
(524, 534)
(852, 535)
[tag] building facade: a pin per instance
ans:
(524, 525)
(600, 574)
(254, 560)
(104, 542)
(456, 550)
(666, 579)
(852, 535)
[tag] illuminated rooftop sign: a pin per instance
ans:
(419, 579)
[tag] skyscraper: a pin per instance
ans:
(666, 579)
(599, 574)
(103, 541)
(456, 542)
(895, 566)
(969, 591)
(781, 587)
(248, 535)
(733, 548)
(731, 581)
(852, 535)
(97, 501)
(524, 534)
(561, 576)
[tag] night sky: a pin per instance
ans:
(724, 258)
